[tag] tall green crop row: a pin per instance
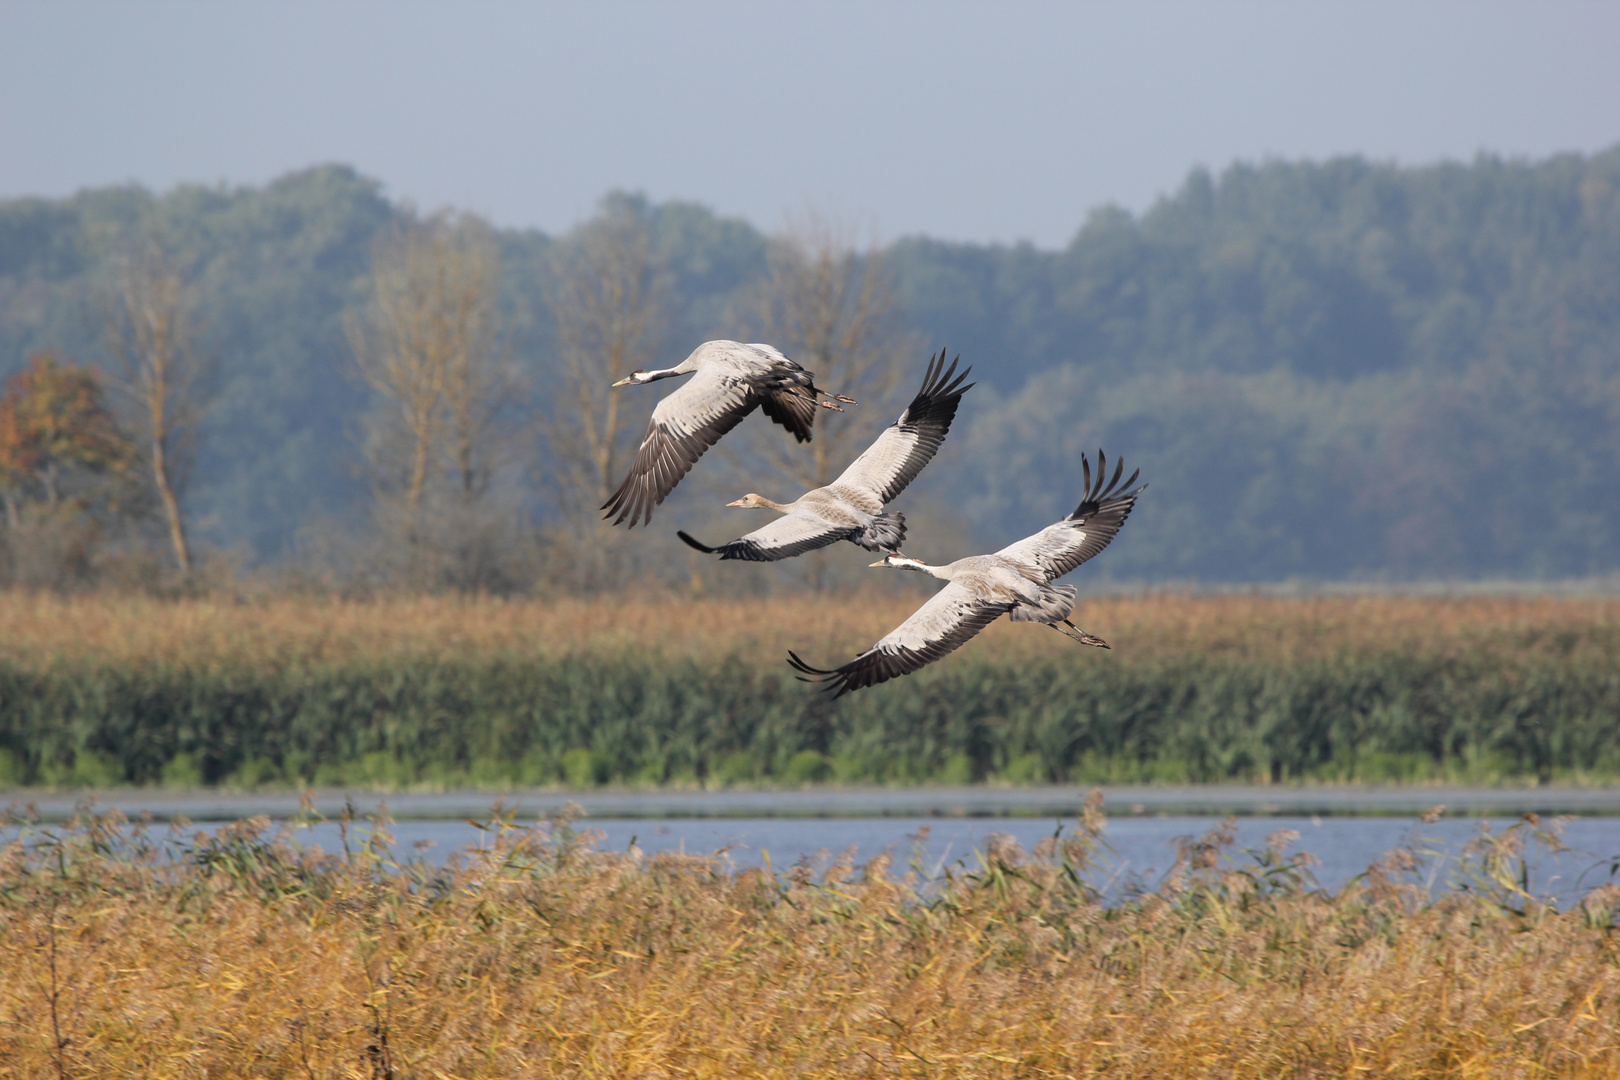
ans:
(498, 720)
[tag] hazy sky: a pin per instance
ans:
(966, 121)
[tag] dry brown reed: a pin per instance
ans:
(39, 629)
(236, 956)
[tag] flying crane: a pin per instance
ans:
(729, 381)
(851, 507)
(1015, 581)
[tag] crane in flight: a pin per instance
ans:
(729, 380)
(851, 507)
(1015, 581)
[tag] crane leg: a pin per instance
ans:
(1069, 630)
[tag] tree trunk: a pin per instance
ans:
(419, 464)
(152, 337)
(171, 509)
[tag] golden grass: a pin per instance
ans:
(38, 629)
(543, 959)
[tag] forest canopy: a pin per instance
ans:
(1340, 370)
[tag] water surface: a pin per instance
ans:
(1345, 828)
(1135, 849)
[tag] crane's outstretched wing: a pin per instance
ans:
(794, 408)
(905, 446)
(950, 618)
(791, 405)
(684, 425)
(794, 405)
(1104, 506)
(787, 536)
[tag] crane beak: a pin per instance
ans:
(739, 502)
(626, 381)
(880, 562)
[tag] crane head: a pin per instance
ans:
(904, 562)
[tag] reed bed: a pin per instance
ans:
(41, 629)
(238, 954)
(98, 691)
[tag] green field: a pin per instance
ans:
(440, 693)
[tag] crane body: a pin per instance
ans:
(730, 380)
(851, 507)
(1015, 581)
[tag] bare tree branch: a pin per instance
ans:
(151, 331)
(426, 344)
(605, 297)
(831, 308)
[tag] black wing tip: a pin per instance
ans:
(692, 542)
(939, 392)
(746, 551)
(1096, 492)
(628, 502)
(798, 663)
(620, 507)
(835, 682)
(938, 381)
(742, 549)
(631, 512)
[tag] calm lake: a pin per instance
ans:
(934, 829)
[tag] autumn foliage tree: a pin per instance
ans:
(53, 421)
(59, 445)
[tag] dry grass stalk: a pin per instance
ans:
(42, 628)
(542, 958)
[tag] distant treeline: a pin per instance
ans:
(1228, 689)
(1332, 370)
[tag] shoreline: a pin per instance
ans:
(842, 802)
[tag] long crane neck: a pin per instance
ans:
(685, 367)
(753, 501)
(905, 563)
(641, 378)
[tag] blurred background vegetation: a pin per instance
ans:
(1334, 371)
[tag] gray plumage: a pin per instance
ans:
(1015, 581)
(729, 380)
(851, 507)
